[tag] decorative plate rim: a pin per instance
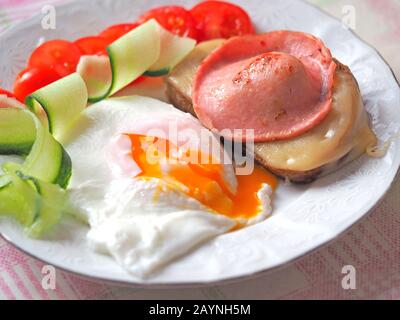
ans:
(154, 285)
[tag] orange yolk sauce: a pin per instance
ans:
(201, 180)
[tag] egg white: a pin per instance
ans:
(143, 224)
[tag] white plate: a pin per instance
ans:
(304, 218)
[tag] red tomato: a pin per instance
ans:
(117, 31)
(7, 104)
(92, 45)
(60, 55)
(31, 79)
(173, 18)
(7, 93)
(138, 80)
(218, 19)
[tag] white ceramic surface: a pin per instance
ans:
(305, 217)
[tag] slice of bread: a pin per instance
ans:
(342, 137)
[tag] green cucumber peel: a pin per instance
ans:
(50, 207)
(4, 181)
(47, 160)
(17, 132)
(59, 104)
(173, 50)
(19, 200)
(35, 204)
(157, 73)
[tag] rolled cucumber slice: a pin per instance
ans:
(52, 200)
(19, 199)
(129, 57)
(35, 204)
(133, 54)
(59, 103)
(17, 132)
(173, 50)
(46, 160)
(149, 49)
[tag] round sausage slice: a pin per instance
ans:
(278, 84)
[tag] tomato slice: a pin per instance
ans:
(5, 103)
(92, 45)
(7, 93)
(60, 55)
(173, 18)
(218, 19)
(139, 80)
(31, 79)
(117, 31)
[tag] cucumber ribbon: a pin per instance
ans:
(33, 192)
(35, 204)
(149, 49)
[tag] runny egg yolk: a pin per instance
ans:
(199, 179)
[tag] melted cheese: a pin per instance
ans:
(345, 129)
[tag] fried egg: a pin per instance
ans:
(152, 183)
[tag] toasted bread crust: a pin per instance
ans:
(292, 176)
(178, 99)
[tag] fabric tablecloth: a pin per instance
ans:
(372, 246)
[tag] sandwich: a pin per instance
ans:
(305, 106)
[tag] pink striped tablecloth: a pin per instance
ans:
(372, 246)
